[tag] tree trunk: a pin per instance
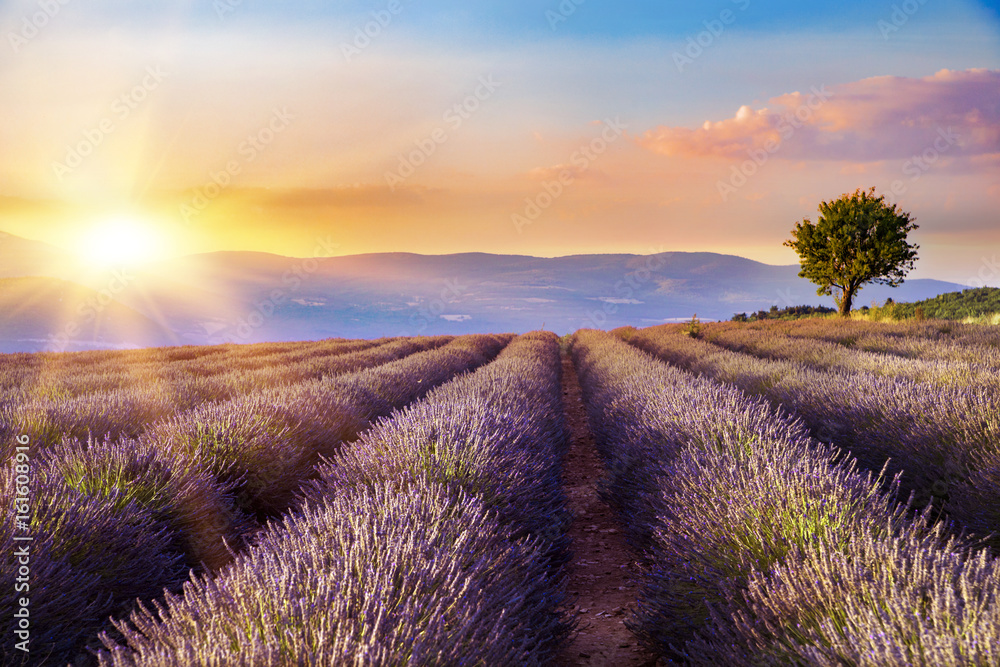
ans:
(846, 300)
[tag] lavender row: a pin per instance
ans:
(945, 441)
(187, 382)
(187, 491)
(73, 395)
(762, 546)
(771, 343)
(264, 445)
(205, 377)
(931, 341)
(499, 434)
(438, 538)
(74, 373)
(127, 412)
(90, 558)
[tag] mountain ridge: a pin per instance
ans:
(242, 296)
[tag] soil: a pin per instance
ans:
(601, 580)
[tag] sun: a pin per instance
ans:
(120, 241)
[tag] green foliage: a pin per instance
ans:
(970, 303)
(980, 305)
(890, 311)
(692, 328)
(790, 313)
(858, 239)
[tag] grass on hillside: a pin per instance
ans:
(972, 306)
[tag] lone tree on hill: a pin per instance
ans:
(858, 239)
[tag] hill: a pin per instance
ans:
(970, 303)
(250, 297)
(409, 294)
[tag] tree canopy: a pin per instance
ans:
(858, 239)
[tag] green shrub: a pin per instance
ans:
(693, 328)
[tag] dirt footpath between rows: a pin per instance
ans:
(600, 581)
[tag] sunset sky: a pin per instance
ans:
(510, 127)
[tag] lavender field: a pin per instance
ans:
(817, 492)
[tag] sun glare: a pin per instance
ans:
(120, 241)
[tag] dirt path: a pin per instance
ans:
(599, 576)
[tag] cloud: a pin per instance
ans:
(26, 206)
(576, 172)
(878, 118)
(359, 195)
(727, 138)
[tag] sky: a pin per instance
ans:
(543, 128)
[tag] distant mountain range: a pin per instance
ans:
(251, 297)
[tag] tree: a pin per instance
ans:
(858, 239)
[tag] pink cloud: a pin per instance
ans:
(726, 138)
(880, 118)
